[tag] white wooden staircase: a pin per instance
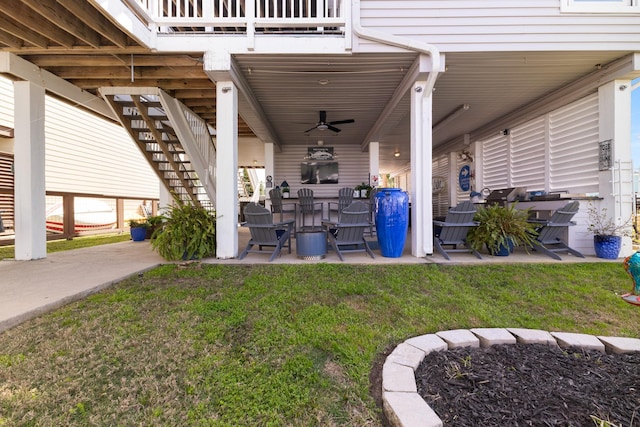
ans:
(177, 143)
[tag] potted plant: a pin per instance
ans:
(285, 190)
(154, 222)
(607, 235)
(500, 228)
(138, 229)
(362, 190)
(186, 232)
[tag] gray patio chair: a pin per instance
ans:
(308, 207)
(347, 235)
(264, 232)
(551, 231)
(280, 208)
(453, 230)
(345, 197)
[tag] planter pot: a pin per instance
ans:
(392, 220)
(285, 195)
(363, 194)
(138, 234)
(607, 247)
(503, 250)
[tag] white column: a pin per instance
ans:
(164, 196)
(616, 186)
(269, 170)
(30, 192)
(421, 168)
(374, 164)
(453, 179)
(226, 170)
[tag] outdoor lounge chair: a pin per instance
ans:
(264, 232)
(551, 231)
(453, 230)
(347, 235)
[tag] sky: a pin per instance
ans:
(635, 125)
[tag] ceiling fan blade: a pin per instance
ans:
(341, 122)
(309, 130)
(333, 129)
(323, 116)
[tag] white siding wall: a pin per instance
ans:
(353, 166)
(440, 201)
(571, 135)
(477, 25)
(86, 154)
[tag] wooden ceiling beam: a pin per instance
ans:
(25, 15)
(166, 85)
(84, 11)
(73, 72)
(20, 31)
(195, 93)
(10, 40)
(83, 60)
(57, 15)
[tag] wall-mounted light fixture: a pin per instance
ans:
(226, 89)
(449, 118)
(396, 153)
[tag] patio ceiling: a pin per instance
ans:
(75, 41)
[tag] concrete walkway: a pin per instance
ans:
(30, 288)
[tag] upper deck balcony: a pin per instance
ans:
(240, 17)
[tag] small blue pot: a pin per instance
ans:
(503, 250)
(138, 234)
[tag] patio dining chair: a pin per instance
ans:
(347, 235)
(308, 207)
(280, 208)
(345, 197)
(552, 230)
(265, 233)
(453, 230)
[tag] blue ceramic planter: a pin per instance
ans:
(392, 221)
(138, 234)
(607, 247)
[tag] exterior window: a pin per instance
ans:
(600, 6)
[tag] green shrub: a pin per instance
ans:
(186, 232)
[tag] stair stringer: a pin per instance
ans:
(196, 139)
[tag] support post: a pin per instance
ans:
(30, 193)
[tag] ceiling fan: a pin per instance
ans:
(324, 125)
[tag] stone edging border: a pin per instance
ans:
(402, 404)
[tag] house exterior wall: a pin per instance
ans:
(352, 168)
(499, 25)
(555, 152)
(86, 154)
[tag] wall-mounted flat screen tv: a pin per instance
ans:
(319, 173)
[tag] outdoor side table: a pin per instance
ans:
(311, 245)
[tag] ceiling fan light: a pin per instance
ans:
(322, 126)
(396, 154)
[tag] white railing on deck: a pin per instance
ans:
(241, 15)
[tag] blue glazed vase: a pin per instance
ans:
(607, 247)
(392, 220)
(138, 234)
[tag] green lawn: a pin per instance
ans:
(75, 243)
(275, 345)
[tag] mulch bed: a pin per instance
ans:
(531, 385)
